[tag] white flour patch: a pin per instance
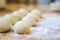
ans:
(48, 28)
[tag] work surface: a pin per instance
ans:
(12, 7)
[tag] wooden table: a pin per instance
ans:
(13, 7)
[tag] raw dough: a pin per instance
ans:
(24, 25)
(37, 12)
(33, 16)
(16, 14)
(10, 18)
(4, 25)
(22, 13)
(21, 27)
(29, 20)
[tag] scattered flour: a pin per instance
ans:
(47, 29)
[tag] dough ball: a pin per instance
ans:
(21, 27)
(10, 18)
(54, 6)
(16, 14)
(33, 16)
(29, 20)
(4, 25)
(22, 12)
(37, 12)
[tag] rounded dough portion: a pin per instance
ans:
(21, 27)
(29, 20)
(4, 25)
(33, 16)
(22, 13)
(10, 18)
(16, 14)
(36, 12)
(24, 25)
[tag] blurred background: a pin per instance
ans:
(30, 1)
(12, 5)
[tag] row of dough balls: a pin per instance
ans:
(55, 6)
(8, 20)
(26, 23)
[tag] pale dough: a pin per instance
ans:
(29, 20)
(22, 12)
(37, 12)
(33, 16)
(21, 27)
(10, 18)
(25, 24)
(16, 14)
(4, 25)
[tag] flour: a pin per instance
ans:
(47, 29)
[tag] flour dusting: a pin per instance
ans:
(47, 29)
